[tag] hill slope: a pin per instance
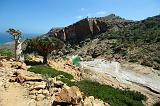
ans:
(113, 37)
(88, 28)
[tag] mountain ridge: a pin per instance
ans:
(88, 28)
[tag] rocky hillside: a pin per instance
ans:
(23, 88)
(46, 85)
(88, 28)
(113, 37)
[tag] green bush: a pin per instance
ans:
(115, 97)
(50, 72)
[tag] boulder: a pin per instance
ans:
(20, 77)
(1, 64)
(19, 65)
(88, 101)
(91, 101)
(40, 97)
(4, 60)
(54, 90)
(71, 95)
(39, 87)
(97, 102)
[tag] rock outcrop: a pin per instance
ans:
(71, 95)
(85, 28)
(88, 28)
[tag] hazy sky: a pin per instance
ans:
(38, 16)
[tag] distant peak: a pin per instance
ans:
(112, 15)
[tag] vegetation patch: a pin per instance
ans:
(48, 71)
(115, 97)
(6, 52)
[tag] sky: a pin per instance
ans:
(39, 16)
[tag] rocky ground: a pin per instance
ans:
(105, 78)
(22, 88)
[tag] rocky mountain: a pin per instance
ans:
(115, 38)
(89, 28)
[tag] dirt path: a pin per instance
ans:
(14, 95)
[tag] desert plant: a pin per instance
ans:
(43, 45)
(16, 36)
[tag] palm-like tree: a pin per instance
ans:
(16, 36)
(44, 46)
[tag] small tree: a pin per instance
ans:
(44, 46)
(16, 36)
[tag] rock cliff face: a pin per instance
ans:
(88, 28)
(85, 28)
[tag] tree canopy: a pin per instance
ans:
(15, 33)
(43, 45)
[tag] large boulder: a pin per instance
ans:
(71, 95)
